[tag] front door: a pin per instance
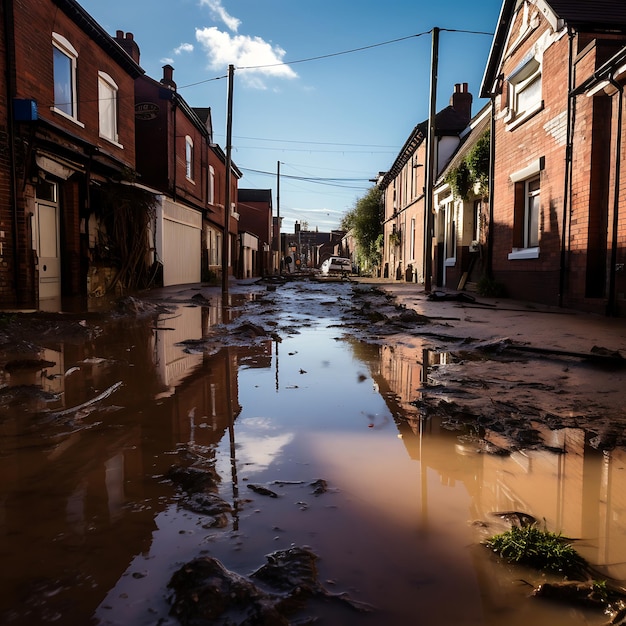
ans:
(47, 240)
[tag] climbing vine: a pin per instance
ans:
(472, 172)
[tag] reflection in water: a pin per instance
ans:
(90, 527)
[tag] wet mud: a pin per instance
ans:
(174, 440)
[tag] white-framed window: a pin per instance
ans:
(107, 106)
(531, 212)
(211, 186)
(450, 233)
(527, 211)
(64, 63)
(524, 92)
(189, 157)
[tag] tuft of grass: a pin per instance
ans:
(538, 548)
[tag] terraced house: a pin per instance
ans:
(68, 126)
(555, 77)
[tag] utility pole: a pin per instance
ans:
(430, 166)
(229, 134)
(278, 212)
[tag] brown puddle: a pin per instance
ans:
(92, 528)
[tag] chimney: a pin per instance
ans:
(128, 44)
(168, 77)
(461, 101)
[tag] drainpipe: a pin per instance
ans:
(492, 168)
(10, 93)
(611, 305)
(568, 168)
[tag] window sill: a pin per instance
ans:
(514, 121)
(67, 117)
(450, 262)
(523, 253)
(112, 141)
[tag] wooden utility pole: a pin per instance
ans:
(229, 134)
(431, 166)
(278, 213)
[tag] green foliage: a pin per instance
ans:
(460, 180)
(364, 221)
(538, 548)
(394, 238)
(473, 171)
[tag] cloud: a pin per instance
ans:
(184, 47)
(256, 58)
(219, 12)
(167, 61)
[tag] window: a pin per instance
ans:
(107, 106)
(211, 191)
(527, 210)
(531, 213)
(189, 157)
(64, 57)
(476, 219)
(524, 91)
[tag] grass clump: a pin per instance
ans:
(540, 549)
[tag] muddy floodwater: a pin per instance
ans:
(282, 417)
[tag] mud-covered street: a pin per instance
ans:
(304, 451)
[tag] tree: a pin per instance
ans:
(364, 221)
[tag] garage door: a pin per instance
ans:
(182, 237)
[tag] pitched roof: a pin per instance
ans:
(254, 195)
(589, 16)
(586, 15)
(478, 126)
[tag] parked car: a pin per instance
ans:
(336, 265)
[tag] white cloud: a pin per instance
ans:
(184, 47)
(219, 12)
(257, 58)
(167, 61)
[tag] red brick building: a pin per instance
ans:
(178, 160)
(557, 193)
(255, 217)
(67, 115)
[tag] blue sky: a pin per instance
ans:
(332, 90)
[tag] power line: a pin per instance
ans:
(336, 54)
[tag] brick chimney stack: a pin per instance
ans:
(168, 77)
(128, 44)
(461, 101)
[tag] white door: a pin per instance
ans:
(47, 244)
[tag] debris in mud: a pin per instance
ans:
(193, 479)
(90, 405)
(129, 305)
(263, 491)
(209, 504)
(320, 486)
(206, 592)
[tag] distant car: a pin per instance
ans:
(336, 265)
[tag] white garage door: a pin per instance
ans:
(182, 235)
